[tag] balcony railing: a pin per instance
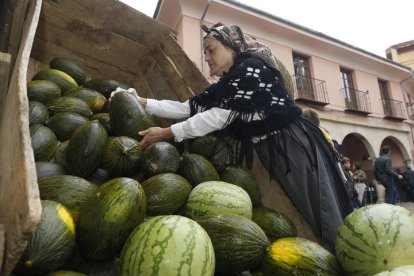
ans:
(310, 89)
(394, 109)
(410, 109)
(357, 100)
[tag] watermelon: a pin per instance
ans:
(376, 238)
(38, 113)
(217, 197)
(298, 256)
(405, 270)
(109, 216)
(46, 169)
(166, 193)
(44, 142)
(51, 243)
(63, 124)
(168, 245)
(92, 98)
(239, 243)
(42, 91)
(64, 273)
(70, 67)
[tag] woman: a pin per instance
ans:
(250, 104)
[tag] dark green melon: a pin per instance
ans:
(51, 243)
(100, 176)
(70, 67)
(244, 179)
(160, 157)
(68, 104)
(122, 156)
(105, 121)
(60, 153)
(197, 169)
(213, 149)
(65, 273)
(239, 243)
(46, 169)
(65, 123)
(43, 141)
(128, 116)
(63, 80)
(298, 256)
(42, 91)
(85, 149)
(108, 218)
(105, 86)
(38, 113)
(94, 99)
(71, 191)
(166, 193)
(276, 225)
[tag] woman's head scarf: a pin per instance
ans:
(232, 36)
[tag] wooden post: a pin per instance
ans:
(5, 63)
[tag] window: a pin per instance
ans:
(348, 85)
(302, 74)
(383, 87)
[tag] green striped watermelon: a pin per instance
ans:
(405, 270)
(376, 238)
(218, 197)
(168, 245)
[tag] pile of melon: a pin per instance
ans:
(111, 207)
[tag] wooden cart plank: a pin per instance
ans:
(116, 17)
(5, 63)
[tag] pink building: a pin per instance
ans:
(360, 97)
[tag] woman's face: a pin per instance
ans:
(219, 57)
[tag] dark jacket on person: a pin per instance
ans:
(383, 168)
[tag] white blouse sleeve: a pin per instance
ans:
(198, 125)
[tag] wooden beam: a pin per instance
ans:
(5, 63)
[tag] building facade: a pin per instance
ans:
(360, 97)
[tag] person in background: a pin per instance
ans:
(409, 176)
(401, 185)
(313, 116)
(250, 107)
(385, 175)
(360, 182)
(349, 184)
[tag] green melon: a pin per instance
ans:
(65, 123)
(122, 156)
(63, 80)
(109, 216)
(375, 238)
(298, 256)
(239, 243)
(245, 180)
(160, 157)
(68, 104)
(197, 169)
(51, 243)
(275, 224)
(217, 197)
(92, 98)
(105, 121)
(85, 149)
(100, 176)
(71, 191)
(128, 116)
(46, 169)
(42, 91)
(168, 246)
(65, 273)
(43, 141)
(105, 86)
(70, 67)
(38, 113)
(166, 193)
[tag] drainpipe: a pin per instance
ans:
(201, 35)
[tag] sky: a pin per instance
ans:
(367, 24)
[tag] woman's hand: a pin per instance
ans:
(154, 134)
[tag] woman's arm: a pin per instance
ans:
(198, 125)
(167, 108)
